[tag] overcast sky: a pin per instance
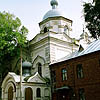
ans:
(31, 12)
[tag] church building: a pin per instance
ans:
(52, 43)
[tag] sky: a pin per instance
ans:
(31, 12)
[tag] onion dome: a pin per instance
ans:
(26, 64)
(26, 68)
(54, 12)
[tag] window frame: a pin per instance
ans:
(66, 29)
(40, 69)
(64, 74)
(45, 29)
(38, 93)
(80, 73)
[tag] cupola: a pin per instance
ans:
(55, 21)
(54, 12)
(26, 68)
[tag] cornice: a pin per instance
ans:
(55, 18)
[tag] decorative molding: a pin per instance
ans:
(60, 26)
(55, 18)
(38, 57)
(47, 54)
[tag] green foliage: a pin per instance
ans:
(92, 18)
(12, 36)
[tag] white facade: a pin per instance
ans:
(53, 42)
(34, 82)
(47, 47)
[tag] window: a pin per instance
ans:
(45, 30)
(40, 69)
(81, 94)
(53, 76)
(66, 30)
(28, 94)
(79, 71)
(38, 92)
(64, 74)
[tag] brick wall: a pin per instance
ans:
(91, 80)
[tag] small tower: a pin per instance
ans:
(53, 42)
(55, 21)
(26, 68)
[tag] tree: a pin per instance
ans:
(92, 18)
(12, 37)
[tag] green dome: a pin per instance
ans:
(26, 64)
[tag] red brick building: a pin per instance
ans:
(77, 76)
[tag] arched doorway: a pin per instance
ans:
(10, 93)
(28, 94)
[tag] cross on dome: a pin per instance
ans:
(54, 4)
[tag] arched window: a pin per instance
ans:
(40, 69)
(45, 30)
(38, 92)
(66, 30)
(10, 93)
(28, 94)
(64, 74)
(80, 71)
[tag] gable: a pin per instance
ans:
(9, 79)
(38, 59)
(36, 79)
(38, 37)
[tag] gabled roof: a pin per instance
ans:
(39, 37)
(16, 78)
(36, 78)
(12, 77)
(92, 47)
